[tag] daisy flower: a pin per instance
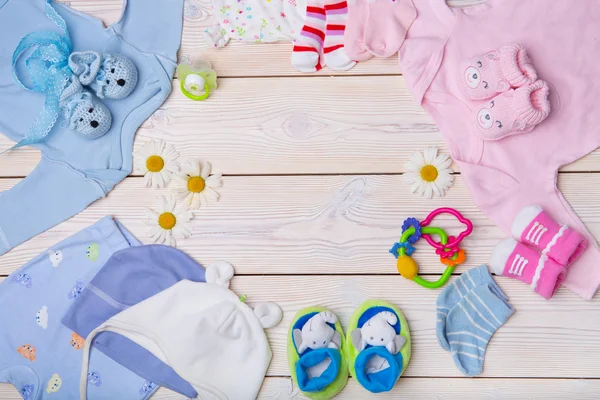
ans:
(169, 222)
(157, 161)
(429, 173)
(195, 185)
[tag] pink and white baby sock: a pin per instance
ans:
(334, 53)
(543, 254)
(354, 37)
(308, 45)
(387, 24)
(535, 227)
(377, 27)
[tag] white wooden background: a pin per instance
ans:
(313, 199)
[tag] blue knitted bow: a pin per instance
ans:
(48, 70)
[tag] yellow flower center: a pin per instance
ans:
(155, 163)
(167, 220)
(196, 184)
(429, 173)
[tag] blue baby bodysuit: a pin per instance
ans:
(75, 171)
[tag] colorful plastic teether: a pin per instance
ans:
(450, 248)
(197, 80)
(450, 254)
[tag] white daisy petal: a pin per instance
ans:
(210, 194)
(428, 191)
(214, 181)
(195, 200)
(206, 170)
(412, 166)
(442, 161)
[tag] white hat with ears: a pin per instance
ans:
(203, 331)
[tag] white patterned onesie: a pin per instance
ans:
(256, 21)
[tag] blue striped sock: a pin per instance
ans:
(471, 324)
(455, 291)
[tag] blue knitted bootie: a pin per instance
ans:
(111, 76)
(82, 112)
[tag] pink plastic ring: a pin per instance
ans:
(454, 243)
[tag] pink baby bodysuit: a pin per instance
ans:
(562, 38)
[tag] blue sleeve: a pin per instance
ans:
(152, 26)
(52, 193)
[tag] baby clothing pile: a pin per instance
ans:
(375, 350)
(332, 33)
(101, 316)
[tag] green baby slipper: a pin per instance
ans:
(377, 345)
(315, 353)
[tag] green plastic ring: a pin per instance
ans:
(192, 96)
(431, 230)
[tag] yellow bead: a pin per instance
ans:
(407, 267)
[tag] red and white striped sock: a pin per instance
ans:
(308, 45)
(334, 53)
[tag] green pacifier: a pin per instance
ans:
(197, 80)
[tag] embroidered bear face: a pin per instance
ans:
(54, 384)
(90, 118)
(23, 280)
(27, 351)
(482, 76)
(485, 117)
(77, 341)
(117, 77)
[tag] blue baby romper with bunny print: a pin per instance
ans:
(75, 171)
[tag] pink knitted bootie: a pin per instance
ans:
(513, 112)
(484, 76)
(519, 261)
(535, 227)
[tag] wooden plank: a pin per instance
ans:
(290, 225)
(292, 126)
(421, 389)
(543, 339)
(307, 224)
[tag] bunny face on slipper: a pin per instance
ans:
(111, 76)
